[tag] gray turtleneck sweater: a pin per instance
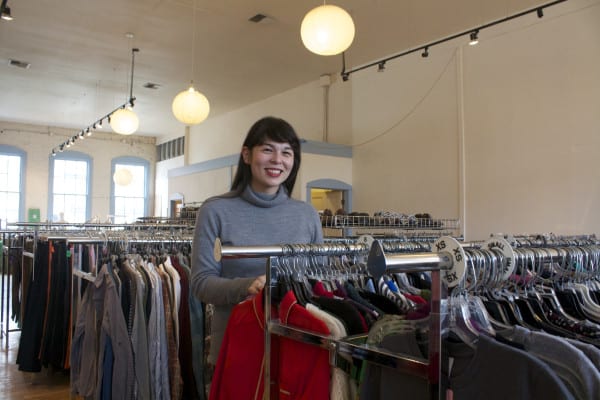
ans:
(245, 220)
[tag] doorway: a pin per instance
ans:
(329, 194)
(175, 205)
(327, 199)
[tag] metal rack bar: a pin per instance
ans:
(379, 263)
(221, 251)
(133, 226)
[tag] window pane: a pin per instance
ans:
(70, 190)
(130, 201)
(10, 190)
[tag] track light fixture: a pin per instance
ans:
(5, 11)
(87, 131)
(125, 121)
(473, 34)
(473, 38)
(381, 67)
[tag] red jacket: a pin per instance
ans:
(298, 370)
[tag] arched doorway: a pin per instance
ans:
(329, 194)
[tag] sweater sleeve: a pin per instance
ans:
(206, 282)
(318, 229)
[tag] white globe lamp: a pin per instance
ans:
(123, 177)
(327, 30)
(124, 121)
(190, 106)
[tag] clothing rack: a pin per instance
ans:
(8, 236)
(86, 225)
(81, 233)
(129, 242)
(450, 258)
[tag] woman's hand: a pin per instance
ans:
(257, 285)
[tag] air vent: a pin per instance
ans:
(258, 18)
(19, 64)
(150, 85)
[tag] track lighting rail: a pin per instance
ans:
(472, 33)
(87, 131)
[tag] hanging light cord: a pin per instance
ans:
(133, 51)
(414, 107)
(193, 41)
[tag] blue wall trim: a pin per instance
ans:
(326, 149)
(209, 165)
(308, 147)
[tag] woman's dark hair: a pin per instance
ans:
(268, 128)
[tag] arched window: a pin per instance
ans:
(70, 187)
(12, 184)
(129, 189)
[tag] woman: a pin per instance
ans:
(257, 211)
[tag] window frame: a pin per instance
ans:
(129, 160)
(9, 150)
(70, 155)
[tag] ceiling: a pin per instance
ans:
(80, 55)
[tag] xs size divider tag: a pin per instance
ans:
(501, 244)
(366, 239)
(454, 275)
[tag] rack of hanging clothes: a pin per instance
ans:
(461, 351)
(323, 361)
(132, 283)
(16, 259)
(535, 302)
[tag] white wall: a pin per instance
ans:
(503, 135)
(38, 141)
(223, 135)
(532, 132)
(162, 194)
(316, 166)
(405, 136)
(199, 186)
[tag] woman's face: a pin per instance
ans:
(270, 164)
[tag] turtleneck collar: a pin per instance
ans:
(264, 200)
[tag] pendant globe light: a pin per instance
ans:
(327, 30)
(122, 177)
(190, 106)
(124, 121)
